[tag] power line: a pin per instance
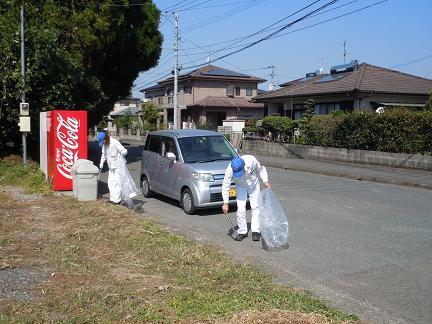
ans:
(173, 7)
(222, 16)
(412, 61)
(194, 6)
(272, 34)
(214, 6)
(306, 27)
(299, 29)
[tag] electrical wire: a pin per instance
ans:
(222, 16)
(214, 6)
(313, 25)
(412, 61)
(270, 35)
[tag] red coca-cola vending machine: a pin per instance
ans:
(66, 142)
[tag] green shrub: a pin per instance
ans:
(397, 130)
(279, 126)
(250, 129)
(321, 130)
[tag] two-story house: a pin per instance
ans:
(208, 95)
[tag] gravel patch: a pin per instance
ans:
(17, 194)
(17, 283)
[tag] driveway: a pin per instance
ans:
(365, 247)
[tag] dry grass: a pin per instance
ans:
(111, 266)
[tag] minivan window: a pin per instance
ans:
(169, 146)
(205, 149)
(155, 144)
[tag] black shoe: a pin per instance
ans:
(256, 236)
(241, 237)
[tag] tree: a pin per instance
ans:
(126, 121)
(80, 54)
(150, 115)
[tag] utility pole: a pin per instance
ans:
(209, 55)
(322, 66)
(272, 85)
(23, 112)
(176, 45)
(345, 53)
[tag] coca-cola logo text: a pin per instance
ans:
(67, 154)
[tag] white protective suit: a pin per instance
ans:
(113, 154)
(248, 183)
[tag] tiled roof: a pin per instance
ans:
(209, 72)
(367, 78)
(237, 102)
(125, 111)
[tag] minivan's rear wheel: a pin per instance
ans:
(145, 186)
(187, 202)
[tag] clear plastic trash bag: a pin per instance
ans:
(129, 189)
(273, 222)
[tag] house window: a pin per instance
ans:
(299, 114)
(170, 100)
(326, 108)
(280, 108)
(160, 101)
(187, 89)
(230, 91)
(169, 92)
(299, 111)
(249, 92)
(237, 91)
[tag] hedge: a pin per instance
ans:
(396, 130)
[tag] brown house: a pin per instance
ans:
(208, 96)
(348, 87)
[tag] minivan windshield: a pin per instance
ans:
(201, 149)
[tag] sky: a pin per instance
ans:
(392, 34)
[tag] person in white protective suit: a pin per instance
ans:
(246, 171)
(113, 153)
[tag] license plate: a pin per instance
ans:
(232, 192)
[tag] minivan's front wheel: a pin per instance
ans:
(187, 202)
(145, 186)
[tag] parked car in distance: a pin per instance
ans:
(187, 165)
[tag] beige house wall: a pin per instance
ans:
(200, 90)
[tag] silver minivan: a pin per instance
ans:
(187, 165)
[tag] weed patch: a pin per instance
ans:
(110, 266)
(13, 173)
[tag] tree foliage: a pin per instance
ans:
(80, 54)
(279, 126)
(150, 114)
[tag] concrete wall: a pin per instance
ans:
(412, 161)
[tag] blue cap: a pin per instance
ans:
(237, 165)
(100, 138)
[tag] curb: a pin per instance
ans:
(348, 176)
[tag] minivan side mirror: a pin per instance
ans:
(171, 156)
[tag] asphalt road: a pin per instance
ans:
(365, 247)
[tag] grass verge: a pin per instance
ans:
(110, 266)
(31, 179)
